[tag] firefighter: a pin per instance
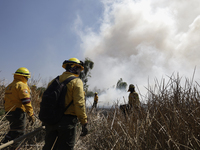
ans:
(17, 102)
(95, 100)
(63, 134)
(133, 98)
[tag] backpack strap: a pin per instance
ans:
(66, 82)
(68, 105)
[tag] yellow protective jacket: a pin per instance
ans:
(96, 98)
(134, 99)
(17, 95)
(74, 92)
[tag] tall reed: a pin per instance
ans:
(169, 120)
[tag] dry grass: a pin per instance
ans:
(171, 120)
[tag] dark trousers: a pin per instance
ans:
(95, 104)
(17, 120)
(62, 134)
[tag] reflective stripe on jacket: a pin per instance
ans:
(74, 92)
(17, 95)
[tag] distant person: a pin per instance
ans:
(62, 134)
(133, 98)
(17, 102)
(95, 100)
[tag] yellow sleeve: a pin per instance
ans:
(137, 101)
(29, 109)
(130, 99)
(96, 98)
(24, 93)
(25, 98)
(79, 102)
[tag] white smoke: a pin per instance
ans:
(143, 40)
(108, 98)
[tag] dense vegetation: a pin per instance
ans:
(169, 120)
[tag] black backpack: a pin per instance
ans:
(52, 107)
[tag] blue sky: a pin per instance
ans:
(40, 35)
(136, 40)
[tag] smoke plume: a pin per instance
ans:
(143, 40)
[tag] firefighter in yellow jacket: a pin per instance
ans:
(133, 97)
(65, 129)
(95, 100)
(17, 103)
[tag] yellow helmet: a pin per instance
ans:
(131, 86)
(73, 61)
(23, 72)
(96, 93)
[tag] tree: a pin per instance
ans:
(85, 74)
(121, 85)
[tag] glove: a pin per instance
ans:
(84, 130)
(31, 119)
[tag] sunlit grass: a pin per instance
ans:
(171, 120)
